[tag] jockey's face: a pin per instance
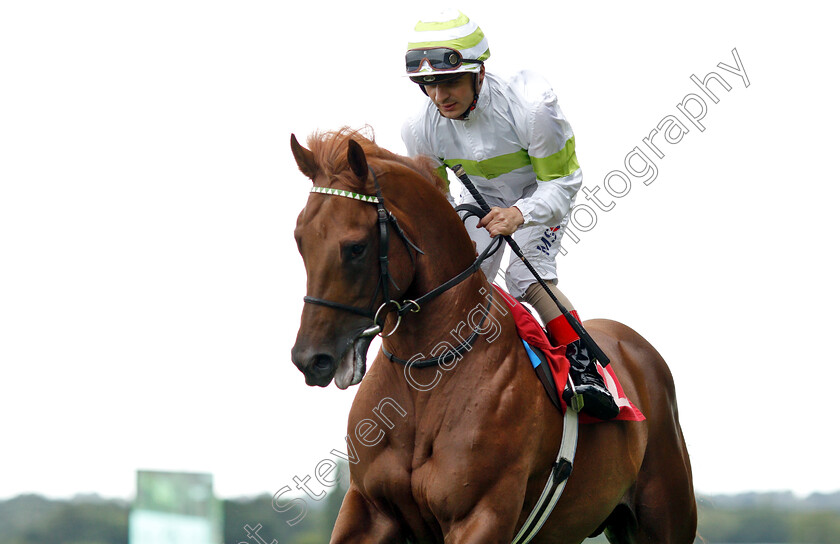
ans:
(452, 98)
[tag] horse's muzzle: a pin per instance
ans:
(318, 368)
(320, 365)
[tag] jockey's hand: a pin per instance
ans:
(502, 221)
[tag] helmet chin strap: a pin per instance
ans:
(474, 102)
(471, 107)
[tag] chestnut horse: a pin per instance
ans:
(459, 452)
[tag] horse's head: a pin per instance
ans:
(342, 242)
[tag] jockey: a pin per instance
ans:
(519, 150)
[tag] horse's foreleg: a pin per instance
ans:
(483, 527)
(359, 521)
(492, 521)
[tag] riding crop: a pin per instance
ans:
(575, 324)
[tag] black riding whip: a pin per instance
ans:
(575, 324)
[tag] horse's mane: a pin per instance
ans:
(330, 150)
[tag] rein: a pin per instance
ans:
(386, 219)
(562, 467)
(457, 351)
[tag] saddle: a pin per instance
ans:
(543, 371)
(552, 367)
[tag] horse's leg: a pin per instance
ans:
(485, 525)
(660, 508)
(664, 502)
(360, 522)
(494, 519)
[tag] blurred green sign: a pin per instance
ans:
(175, 508)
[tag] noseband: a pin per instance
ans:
(385, 219)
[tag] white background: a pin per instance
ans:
(150, 289)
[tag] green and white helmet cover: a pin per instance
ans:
(449, 28)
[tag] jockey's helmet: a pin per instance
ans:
(443, 46)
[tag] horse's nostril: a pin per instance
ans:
(322, 363)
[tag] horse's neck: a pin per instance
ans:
(484, 322)
(448, 251)
(466, 314)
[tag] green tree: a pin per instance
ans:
(81, 523)
(816, 528)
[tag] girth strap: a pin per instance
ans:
(556, 483)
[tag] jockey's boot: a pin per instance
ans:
(597, 401)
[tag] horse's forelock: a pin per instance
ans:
(330, 151)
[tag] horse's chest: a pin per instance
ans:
(445, 491)
(436, 481)
(452, 471)
(440, 464)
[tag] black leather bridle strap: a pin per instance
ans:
(382, 221)
(466, 273)
(384, 218)
(459, 350)
(338, 306)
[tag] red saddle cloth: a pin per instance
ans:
(532, 332)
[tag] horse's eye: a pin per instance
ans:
(356, 250)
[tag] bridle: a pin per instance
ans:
(562, 467)
(386, 219)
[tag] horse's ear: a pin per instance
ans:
(305, 159)
(357, 160)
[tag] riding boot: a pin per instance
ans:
(597, 400)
